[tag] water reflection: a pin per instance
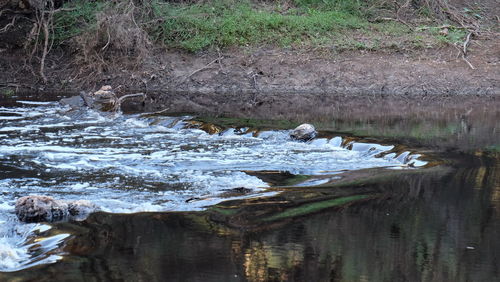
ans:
(438, 224)
(442, 225)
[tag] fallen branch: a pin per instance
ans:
(464, 52)
(220, 62)
(60, 10)
(467, 61)
(45, 51)
(440, 27)
(117, 103)
(9, 25)
(122, 98)
(196, 71)
(146, 115)
(398, 17)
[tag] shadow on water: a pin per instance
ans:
(439, 223)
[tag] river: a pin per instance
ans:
(176, 201)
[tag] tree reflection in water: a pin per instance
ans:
(442, 225)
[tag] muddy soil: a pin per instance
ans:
(269, 70)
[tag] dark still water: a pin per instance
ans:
(179, 204)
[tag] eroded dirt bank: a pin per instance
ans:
(271, 70)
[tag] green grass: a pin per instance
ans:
(8, 92)
(332, 24)
(225, 23)
(80, 17)
(351, 6)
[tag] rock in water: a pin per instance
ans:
(303, 132)
(103, 99)
(38, 208)
(46, 209)
(80, 209)
(75, 102)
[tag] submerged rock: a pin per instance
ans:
(36, 208)
(75, 102)
(303, 132)
(234, 192)
(103, 99)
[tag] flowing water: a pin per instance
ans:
(176, 203)
(127, 163)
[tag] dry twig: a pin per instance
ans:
(466, 43)
(463, 51)
(117, 102)
(197, 71)
(147, 115)
(9, 25)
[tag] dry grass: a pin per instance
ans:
(116, 39)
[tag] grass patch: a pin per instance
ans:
(8, 93)
(314, 207)
(228, 23)
(336, 24)
(79, 17)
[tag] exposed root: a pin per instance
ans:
(9, 25)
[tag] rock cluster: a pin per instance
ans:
(36, 208)
(103, 100)
(303, 132)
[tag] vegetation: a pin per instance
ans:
(79, 18)
(334, 24)
(224, 24)
(8, 92)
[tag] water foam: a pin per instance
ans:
(126, 164)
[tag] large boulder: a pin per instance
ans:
(303, 132)
(36, 208)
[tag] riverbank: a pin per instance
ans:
(290, 47)
(268, 70)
